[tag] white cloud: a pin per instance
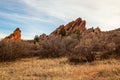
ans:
(22, 18)
(103, 13)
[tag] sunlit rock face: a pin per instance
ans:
(15, 36)
(71, 27)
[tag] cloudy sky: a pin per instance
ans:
(35, 17)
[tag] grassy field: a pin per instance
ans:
(59, 69)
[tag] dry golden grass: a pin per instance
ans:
(59, 69)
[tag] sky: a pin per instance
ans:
(35, 17)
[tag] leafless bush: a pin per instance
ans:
(10, 50)
(81, 54)
(57, 46)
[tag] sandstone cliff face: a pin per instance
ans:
(71, 27)
(15, 36)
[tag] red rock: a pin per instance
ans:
(97, 30)
(43, 37)
(15, 36)
(71, 27)
(92, 31)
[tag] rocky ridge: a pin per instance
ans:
(71, 27)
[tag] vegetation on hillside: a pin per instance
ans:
(88, 48)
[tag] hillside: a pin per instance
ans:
(71, 52)
(76, 41)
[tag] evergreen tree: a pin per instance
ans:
(36, 39)
(78, 32)
(63, 32)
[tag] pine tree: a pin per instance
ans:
(78, 32)
(36, 39)
(63, 32)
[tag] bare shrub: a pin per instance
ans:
(81, 54)
(57, 46)
(50, 47)
(10, 50)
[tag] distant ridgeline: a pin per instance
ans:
(77, 26)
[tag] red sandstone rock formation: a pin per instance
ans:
(71, 27)
(15, 36)
(92, 30)
(43, 36)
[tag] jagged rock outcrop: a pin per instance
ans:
(71, 27)
(92, 31)
(97, 30)
(43, 36)
(15, 36)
